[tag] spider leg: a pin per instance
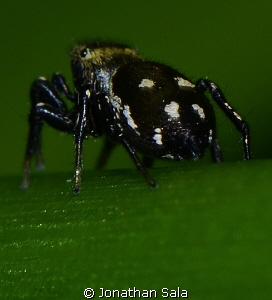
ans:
(106, 151)
(46, 105)
(85, 124)
(137, 162)
(61, 86)
(84, 95)
(215, 149)
(236, 119)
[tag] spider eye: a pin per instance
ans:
(84, 52)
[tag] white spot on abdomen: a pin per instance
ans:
(158, 138)
(146, 83)
(172, 110)
(127, 114)
(184, 83)
(169, 156)
(157, 130)
(199, 110)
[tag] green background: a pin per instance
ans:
(228, 42)
(206, 228)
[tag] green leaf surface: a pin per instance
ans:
(205, 229)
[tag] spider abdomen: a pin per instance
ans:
(160, 112)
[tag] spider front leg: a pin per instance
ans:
(46, 105)
(236, 119)
(85, 124)
(83, 97)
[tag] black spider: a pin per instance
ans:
(146, 106)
